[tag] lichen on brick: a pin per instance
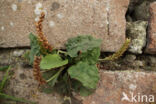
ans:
(136, 31)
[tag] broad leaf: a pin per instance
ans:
(85, 92)
(91, 56)
(81, 44)
(35, 48)
(87, 74)
(52, 61)
(64, 85)
(78, 88)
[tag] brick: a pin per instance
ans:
(151, 42)
(113, 86)
(103, 19)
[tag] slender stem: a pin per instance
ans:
(102, 59)
(46, 70)
(60, 51)
(6, 76)
(56, 75)
(69, 81)
(119, 53)
(5, 96)
(106, 59)
(66, 98)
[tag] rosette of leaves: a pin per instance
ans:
(71, 70)
(74, 69)
(85, 51)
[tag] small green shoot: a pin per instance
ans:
(4, 68)
(8, 97)
(5, 78)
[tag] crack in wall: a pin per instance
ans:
(136, 15)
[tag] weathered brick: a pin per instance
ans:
(113, 86)
(110, 90)
(103, 19)
(151, 44)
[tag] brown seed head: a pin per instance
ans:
(36, 71)
(40, 33)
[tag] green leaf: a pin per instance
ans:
(87, 74)
(4, 68)
(54, 78)
(81, 44)
(47, 74)
(91, 56)
(78, 88)
(47, 89)
(5, 96)
(35, 48)
(5, 78)
(63, 85)
(52, 61)
(85, 92)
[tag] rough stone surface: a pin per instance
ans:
(103, 19)
(151, 44)
(12, 56)
(23, 85)
(110, 90)
(113, 86)
(138, 10)
(136, 31)
(141, 11)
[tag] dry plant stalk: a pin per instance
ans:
(36, 71)
(43, 40)
(119, 53)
